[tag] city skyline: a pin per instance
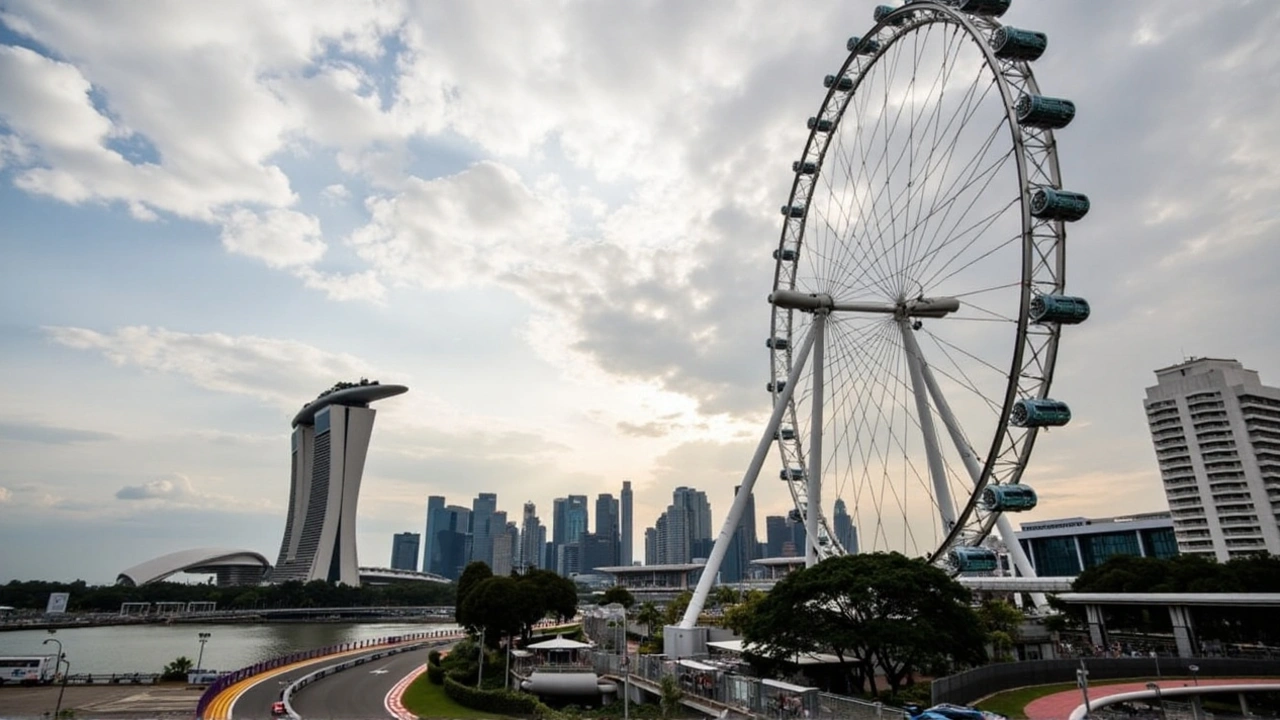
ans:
(203, 225)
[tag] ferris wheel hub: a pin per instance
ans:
(922, 307)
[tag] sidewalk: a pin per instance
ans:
(1058, 706)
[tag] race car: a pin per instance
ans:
(947, 711)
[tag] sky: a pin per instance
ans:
(554, 223)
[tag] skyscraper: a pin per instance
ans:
(404, 551)
(651, 546)
(482, 528)
(626, 556)
(1216, 430)
(452, 546)
(607, 525)
(684, 530)
(330, 441)
(742, 546)
(505, 542)
(435, 512)
(531, 538)
(846, 533)
(777, 533)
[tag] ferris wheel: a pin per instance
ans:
(918, 293)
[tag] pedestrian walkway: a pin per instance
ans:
(1058, 706)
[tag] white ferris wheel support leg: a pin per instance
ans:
(739, 506)
(937, 472)
(813, 481)
(970, 458)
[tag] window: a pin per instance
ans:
(1097, 548)
(322, 421)
(1160, 543)
(1055, 557)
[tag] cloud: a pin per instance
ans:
(336, 194)
(649, 429)
(177, 487)
(49, 434)
(280, 238)
(5, 494)
(275, 371)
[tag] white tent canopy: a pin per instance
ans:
(559, 643)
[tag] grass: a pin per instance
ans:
(426, 700)
(1013, 703)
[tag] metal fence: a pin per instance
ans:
(759, 697)
(966, 687)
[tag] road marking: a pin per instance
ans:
(392, 702)
(381, 671)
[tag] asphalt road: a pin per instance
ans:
(357, 693)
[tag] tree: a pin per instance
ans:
(472, 575)
(178, 669)
(649, 616)
(675, 609)
(737, 616)
(872, 610)
(620, 595)
(1003, 625)
(494, 605)
(670, 695)
(724, 596)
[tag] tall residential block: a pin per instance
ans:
(404, 551)
(628, 520)
(329, 444)
(1216, 430)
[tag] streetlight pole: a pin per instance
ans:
(1082, 680)
(480, 675)
(204, 638)
(1159, 699)
(57, 664)
(1196, 709)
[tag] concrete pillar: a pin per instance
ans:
(1184, 632)
(1097, 628)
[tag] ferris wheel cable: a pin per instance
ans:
(968, 354)
(954, 196)
(981, 225)
(995, 316)
(985, 290)
(966, 383)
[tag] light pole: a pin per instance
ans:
(58, 707)
(480, 675)
(1159, 698)
(204, 638)
(1082, 681)
(1195, 679)
(1195, 701)
(1155, 654)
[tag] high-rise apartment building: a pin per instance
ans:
(435, 515)
(329, 443)
(625, 554)
(404, 551)
(1216, 430)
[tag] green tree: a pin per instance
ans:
(737, 616)
(178, 669)
(493, 605)
(472, 575)
(1003, 625)
(872, 610)
(670, 695)
(675, 609)
(620, 595)
(649, 616)
(723, 596)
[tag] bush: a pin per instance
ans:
(433, 658)
(435, 674)
(500, 702)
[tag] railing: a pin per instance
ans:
(749, 695)
(228, 679)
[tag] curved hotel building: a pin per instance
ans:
(330, 441)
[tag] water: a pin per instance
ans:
(148, 648)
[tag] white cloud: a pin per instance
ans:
(283, 372)
(356, 286)
(280, 238)
(462, 229)
(177, 487)
(5, 494)
(336, 194)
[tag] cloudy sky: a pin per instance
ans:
(553, 222)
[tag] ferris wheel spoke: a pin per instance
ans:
(973, 232)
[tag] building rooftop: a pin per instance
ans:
(349, 394)
(640, 569)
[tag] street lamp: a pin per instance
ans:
(204, 638)
(1194, 677)
(61, 659)
(1159, 698)
(1195, 701)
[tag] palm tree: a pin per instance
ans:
(648, 615)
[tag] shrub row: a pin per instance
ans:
(502, 702)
